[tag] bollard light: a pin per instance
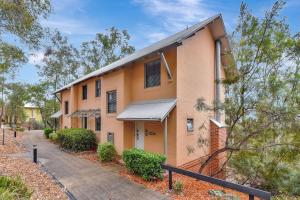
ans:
(35, 153)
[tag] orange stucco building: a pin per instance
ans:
(147, 99)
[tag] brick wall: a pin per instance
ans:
(218, 137)
(217, 141)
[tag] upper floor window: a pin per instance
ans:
(98, 123)
(66, 107)
(152, 74)
(84, 92)
(98, 88)
(112, 101)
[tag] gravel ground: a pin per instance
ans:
(42, 185)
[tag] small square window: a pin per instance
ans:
(110, 137)
(190, 125)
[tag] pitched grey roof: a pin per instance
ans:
(173, 39)
(155, 110)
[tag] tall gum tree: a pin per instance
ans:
(262, 103)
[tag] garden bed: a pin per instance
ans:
(192, 189)
(38, 181)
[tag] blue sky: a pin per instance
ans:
(147, 21)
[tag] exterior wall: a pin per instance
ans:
(167, 88)
(192, 67)
(135, 91)
(33, 113)
(195, 79)
(154, 142)
(113, 81)
(65, 119)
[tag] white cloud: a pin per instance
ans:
(36, 58)
(69, 26)
(176, 14)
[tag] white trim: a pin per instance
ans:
(220, 125)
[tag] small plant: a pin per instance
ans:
(47, 132)
(13, 188)
(53, 136)
(178, 187)
(216, 193)
(145, 164)
(106, 152)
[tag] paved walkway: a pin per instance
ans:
(83, 178)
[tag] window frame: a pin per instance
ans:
(66, 107)
(113, 137)
(187, 122)
(84, 122)
(84, 92)
(146, 65)
(96, 124)
(98, 90)
(108, 102)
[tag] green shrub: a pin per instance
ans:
(47, 132)
(106, 152)
(178, 187)
(143, 163)
(13, 188)
(53, 136)
(76, 139)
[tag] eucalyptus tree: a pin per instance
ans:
(262, 103)
(105, 49)
(17, 96)
(60, 63)
(19, 20)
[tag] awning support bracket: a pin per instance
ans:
(166, 65)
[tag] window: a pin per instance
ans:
(110, 137)
(84, 122)
(190, 125)
(98, 88)
(66, 107)
(112, 101)
(84, 92)
(98, 123)
(152, 74)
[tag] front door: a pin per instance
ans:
(139, 135)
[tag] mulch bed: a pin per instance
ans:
(192, 188)
(42, 185)
(11, 144)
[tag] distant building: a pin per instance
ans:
(32, 113)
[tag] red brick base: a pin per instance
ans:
(217, 141)
(218, 138)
